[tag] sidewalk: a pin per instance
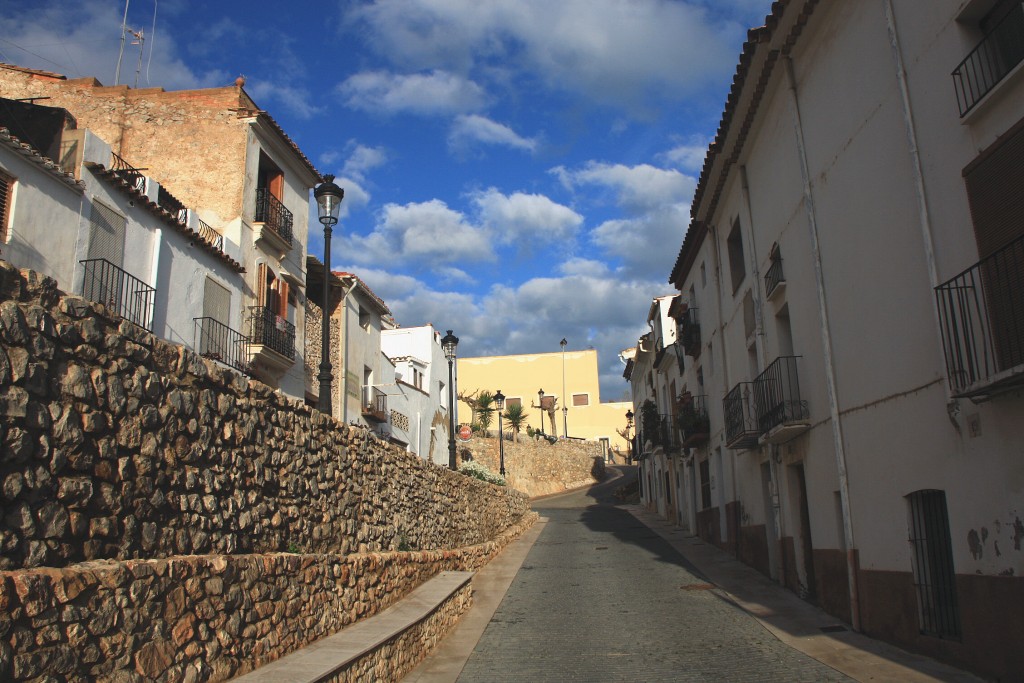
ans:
(798, 623)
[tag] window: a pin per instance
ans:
(270, 177)
(216, 301)
(364, 318)
(703, 276)
(581, 399)
(106, 234)
(509, 402)
(932, 560)
(737, 266)
(6, 191)
(705, 484)
(417, 378)
(996, 55)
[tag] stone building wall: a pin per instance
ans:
(202, 127)
(539, 468)
(313, 321)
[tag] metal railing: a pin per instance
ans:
(689, 331)
(171, 204)
(271, 212)
(217, 341)
(995, 56)
(740, 417)
(271, 330)
(121, 292)
(774, 276)
(981, 314)
(375, 401)
(209, 235)
(692, 419)
(128, 173)
(777, 395)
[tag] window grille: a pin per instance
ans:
(932, 558)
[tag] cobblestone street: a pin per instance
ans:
(602, 597)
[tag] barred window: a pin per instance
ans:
(6, 190)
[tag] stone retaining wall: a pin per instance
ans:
(539, 468)
(115, 444)
(206, 618)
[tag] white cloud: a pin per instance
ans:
(688, 156)
(584, 267)
(646, 244)
(296, 101)
(531, 217)
(363, 159)
(82, 39)
(638, 188)
(434, 93)
(424, 235)
(469, 129)
(614, 51)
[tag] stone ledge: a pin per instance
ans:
(330, 656)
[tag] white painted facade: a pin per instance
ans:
(843, 153)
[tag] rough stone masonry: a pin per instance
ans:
(148, 494)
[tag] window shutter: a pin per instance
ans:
(261, 285)
(106, 234)
(217, 302)
(6, 190)
(995, 191)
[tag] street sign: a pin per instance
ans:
(465, 432)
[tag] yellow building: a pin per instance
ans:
(572, 374)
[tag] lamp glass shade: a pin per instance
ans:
(499, 399)
(328, 200)
(449, 343)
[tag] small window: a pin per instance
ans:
(364, 318)
(509, 402)
(703, 276)
(737, 266)
(581, 399)
(6, 192)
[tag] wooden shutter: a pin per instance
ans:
(217, 302)
(106, 234)
(995, 192)
(261, 285)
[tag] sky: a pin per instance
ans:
(518, 171)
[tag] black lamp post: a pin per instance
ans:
(565, 402)
(328, 201)
(449, 343)
(499, 401)
(629, 440)
(540, 405)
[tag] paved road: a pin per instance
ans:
(601, 597)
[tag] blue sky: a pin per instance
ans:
(516, 170)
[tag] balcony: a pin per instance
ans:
(692, 420)
(128, 174)
(781, 413)
(217, 341)
(998, 53)
(741, 429)
(689, 332)
(271, 338)
(274, 219)
(172, 205)
(981, 314)
(209, 235)
(122, 293)
(774, 279)
(375, 405)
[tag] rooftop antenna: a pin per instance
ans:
(140, 40)
(120, 54)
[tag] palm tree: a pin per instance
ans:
(485, 409)
(515, 416)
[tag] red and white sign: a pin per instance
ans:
(465, 432)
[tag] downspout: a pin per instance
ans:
(826, 342)
(344, 349)
(915, 166)
(155, 259)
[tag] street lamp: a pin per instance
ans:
(449, 343)
(629, 440)
(540, 405)
(565, 404)
(328, 201)
(499, 400)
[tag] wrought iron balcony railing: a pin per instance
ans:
(689, 332)
(121, 292)
(128, 173)
(777, 395)
(171, 205)
(271, 212)
(218, 342)
(981, 313)
(271, 330)
(210, 235)
(692, 420)
(774, 277)
(375, 404)
(995, 56)
(741, 429)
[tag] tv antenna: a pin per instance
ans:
(138, 38)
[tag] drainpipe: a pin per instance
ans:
(924, 216)
(826, 342)
(155, 260)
